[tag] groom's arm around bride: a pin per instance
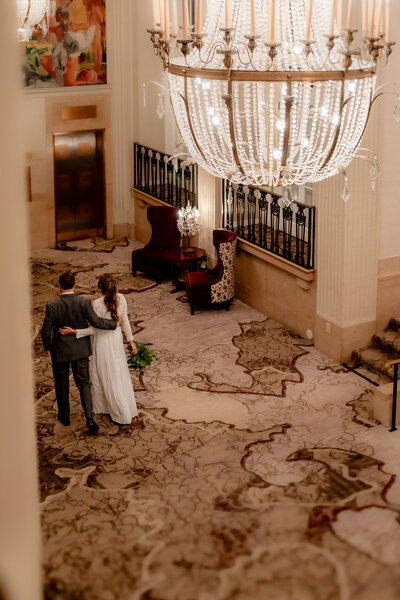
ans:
(68, 351)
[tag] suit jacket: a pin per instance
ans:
(77, 312)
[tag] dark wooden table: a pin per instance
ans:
(183, 261)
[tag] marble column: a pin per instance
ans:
(346, 255)
(210, 208)
(20, 577)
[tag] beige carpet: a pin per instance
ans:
(257, 471)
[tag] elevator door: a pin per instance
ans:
(79, 184)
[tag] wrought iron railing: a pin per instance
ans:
(264, 219)
(163, 177)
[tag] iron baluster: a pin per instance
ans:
(178, 180)
(154, 163)
(146, 161)
(229, 202)
(162, 177)
(395, 365)
(311, 237)
(186, 184)
(194, 185)
(251, 217)
(170, 183)
(138, 167)
(287, 232)
(300, 235)
(263, 219)
(275, 220)
(240, 210)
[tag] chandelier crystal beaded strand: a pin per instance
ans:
(31, 14)
(272, 92)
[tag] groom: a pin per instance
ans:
(76, 311)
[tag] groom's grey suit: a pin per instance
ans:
(76, 312)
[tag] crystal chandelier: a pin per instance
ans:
(272, 92)
(188, 225)
(188, 221)
(31, 14)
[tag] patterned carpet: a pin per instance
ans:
(256, 471)
(96, 244)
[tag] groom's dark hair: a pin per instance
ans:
(66, 280)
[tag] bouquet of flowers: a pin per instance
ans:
(143, 358)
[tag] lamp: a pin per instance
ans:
(274, 92)
(188, 225)
(31, 14)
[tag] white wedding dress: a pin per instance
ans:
(111, 382)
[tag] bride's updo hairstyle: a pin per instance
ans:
(108, 287)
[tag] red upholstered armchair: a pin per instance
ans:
(216, 286)
(164, 236)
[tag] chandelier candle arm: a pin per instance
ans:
(156, 16)
(332, 25)
(199, 17)
(349, 14)
(378, 29)
(364, 17)
(174, 19)
(339, 7)
(387, 17)
(309, 15)
(272, 20)
(166, 19)
(372, 19)
(227, 14)
(185, 19)
(252, 19)
(162, 14)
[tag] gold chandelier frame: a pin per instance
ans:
(268, 76)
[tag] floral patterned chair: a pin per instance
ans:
(164, 236)
(216, 286)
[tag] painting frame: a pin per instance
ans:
(70, 50)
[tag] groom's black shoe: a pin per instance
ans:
(63, 420)
(92, 426)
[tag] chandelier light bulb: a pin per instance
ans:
(275, 92)
(277, 154)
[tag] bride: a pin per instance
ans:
(112, 386)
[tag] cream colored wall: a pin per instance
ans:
(388, 187)
(151, 131)
(20, 571)
(277, 288)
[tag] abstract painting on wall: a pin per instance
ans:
(73, 50)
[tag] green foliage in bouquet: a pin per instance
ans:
(143, 358)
